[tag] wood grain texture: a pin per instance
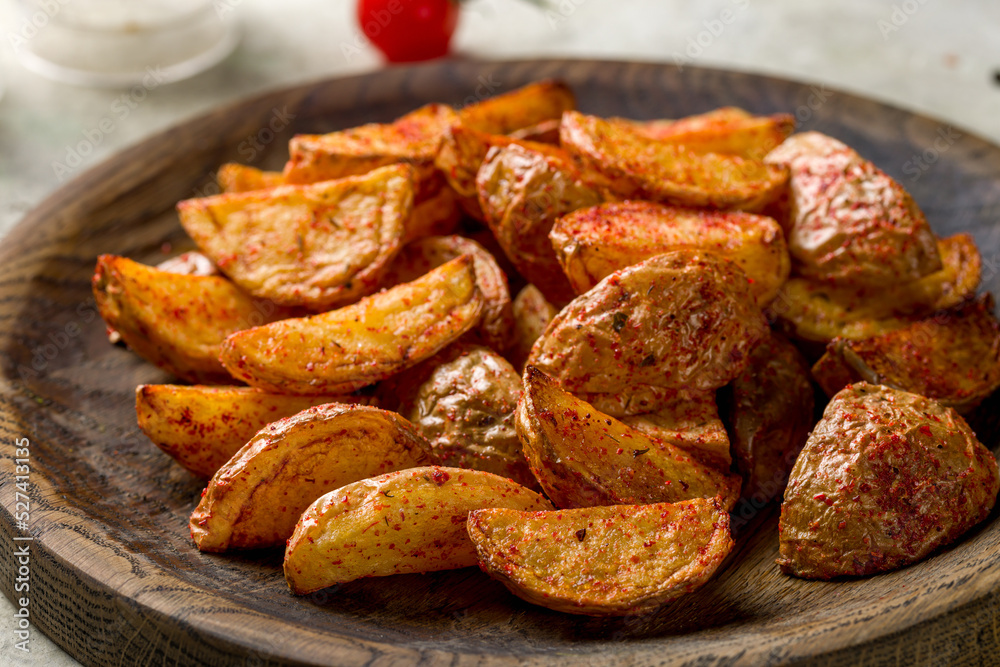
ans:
(115, 577)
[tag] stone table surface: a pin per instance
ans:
(941, 59)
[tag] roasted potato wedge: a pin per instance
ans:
(645, 168)
(233, 177)
(522, 192)
(526, 106)
(684, 320)
(256, 498)
(496, 325)
(201, 427)
(770, 413)
(952, 357)
(815, 311)
(358, 345)
(532, 313)
(850, 222)
(603, 561)
(593, 242)
(436, 214)
(407, 521)
(690, 422)
(728, 131)
(885, 478)
(316, 246)
(464, 406)
(584, 458)
(176, 322)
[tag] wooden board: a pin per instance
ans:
(115, 578)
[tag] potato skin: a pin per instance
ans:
(176, 322)
(603, 561)
(407, 521)
(683, 320)
(690, 422)
(645, 168)
(532, 313)
(358, 345)
(317, 246)
(851, 223)
(256, 498)
(886, 478)
(583, 457)
(594, 242)
(201, 427)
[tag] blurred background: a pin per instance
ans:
(937, 58)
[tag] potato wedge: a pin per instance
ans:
(583, 457)
(885, 478)
(546, 132)
(407, 521)
(603, 561)
(436, 214)
(645, 168)
(532, 313)
(523, 107)
(257, 497)
(593, 242)
(683, 320)
(522, 192)
(851, 223)
(176, 322)
(201, 427)
(233, 177)
(952, 357)
(724, 131)
(358, 345)
(496, 325)
(814, 311)
(316, 246)
(691, 423)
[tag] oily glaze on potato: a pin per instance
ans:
(583, 457)
(417, 258)
(256, 498)
(233, 177)
(522, 192)
(850, 222)
(815, 311)
(684, 319)
(201, 427)
(603, 561)
(770, 415)
(645, 168)
(532, 313)
(729, 131)
(315, 245)
(885, 478)
(407, 521)
(594, 242)
(690, 422)
(358, 345)
(176, 322)
(952, 357)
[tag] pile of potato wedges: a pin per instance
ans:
(365, 389)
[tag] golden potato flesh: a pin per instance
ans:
(522, 192)
(234, 177)
(435, 214)
(315, 245)
(594, 242)
(358, 345)
(725, 131)
(417, 258)
(885, 478)
(465, 409)
(583, 457)
(850, 223)
(684, 320)
(952, 357)
(523, 107)
(532, 313)
(603, 561)
(546, 132)
(815, 311)
(691, 423)
(407, 521)
(645, 168)
(176, 322)
(257, 497)
(201, 427)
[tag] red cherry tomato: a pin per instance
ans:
(409, 30)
